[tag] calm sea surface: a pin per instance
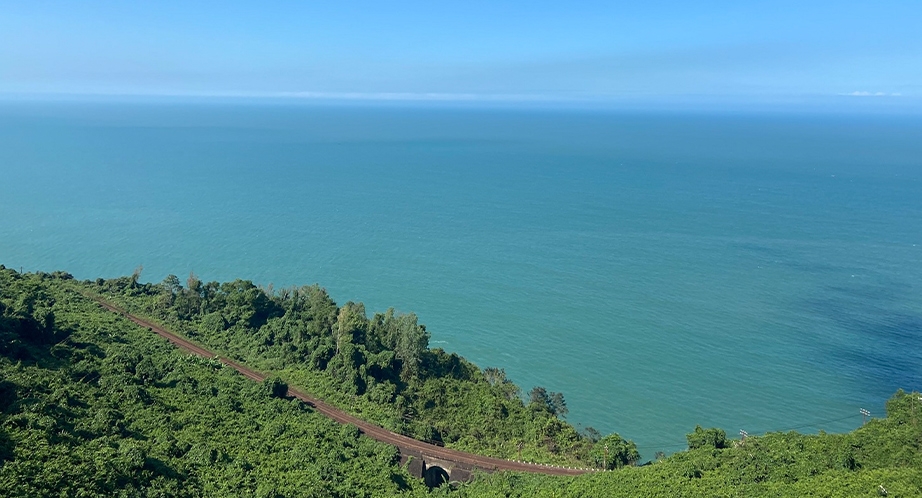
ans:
(757, 272)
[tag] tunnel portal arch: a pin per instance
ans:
(435, 476)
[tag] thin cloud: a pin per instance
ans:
(408, 96)
(871, 94)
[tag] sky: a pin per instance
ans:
(652, 51)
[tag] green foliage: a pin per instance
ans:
(379, 368)
(884, 453)
(613, 452)
(496, 377)
(109, 409)
(91, 405)
(7, 446)
(553, 403)
(706, 438)
(275, 387)
(592, 434)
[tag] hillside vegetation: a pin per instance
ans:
(93, 405)
(882, 458)
(379, 368)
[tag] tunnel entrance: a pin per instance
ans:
(435, 476)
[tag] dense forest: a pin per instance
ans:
(93, 405)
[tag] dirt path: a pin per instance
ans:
(404, 443)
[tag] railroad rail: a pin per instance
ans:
(434, 463)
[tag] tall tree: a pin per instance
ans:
(136, 275)
(613, 451)
(410, 342)
(351, 325)
(495, 376)
(553, 402)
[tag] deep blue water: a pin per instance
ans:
(757, 272)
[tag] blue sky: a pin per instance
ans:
(653, 51)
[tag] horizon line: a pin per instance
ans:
(464, 96)
(860, 102)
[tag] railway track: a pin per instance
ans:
(406, 445)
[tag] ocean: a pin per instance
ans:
(754, 271)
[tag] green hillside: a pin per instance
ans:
(379, 368)
(93, 405)
(882, 458)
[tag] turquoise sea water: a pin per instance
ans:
(757, 272)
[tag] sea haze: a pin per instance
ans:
(757, 272)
